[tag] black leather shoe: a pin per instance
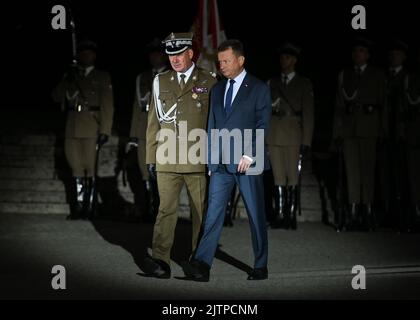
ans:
(156, 268)
(196, 270)
(258, 274)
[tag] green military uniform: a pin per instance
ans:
(290, 127)
(86, 96)
(412, 134)
(360, 119)
(89, 105)
(192, 103)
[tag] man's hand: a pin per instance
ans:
(151, 168)
(102, 139)
(244, 165)
(132, 143)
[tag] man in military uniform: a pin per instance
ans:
(180, 97)
(290, 133)
(86, 95)
(159, 63)
(412, 139)
(391, 166)
(359, 121)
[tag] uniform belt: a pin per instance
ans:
(84, 108)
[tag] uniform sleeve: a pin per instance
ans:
(383, 106)
(308, 113)
(338, 110)
(107, 106)
(135, 118)
(153, 128)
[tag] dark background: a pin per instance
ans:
(36, 55)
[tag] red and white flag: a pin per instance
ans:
(208, 34)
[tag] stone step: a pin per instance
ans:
(27, 162)
(31, 185)
(33, 197)
(27, 173)
(34, 208)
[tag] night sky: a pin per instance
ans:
(37, 55)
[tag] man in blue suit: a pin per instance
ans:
(240, 110)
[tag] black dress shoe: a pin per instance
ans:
(258, 274)
(196, 270)
(156, 268)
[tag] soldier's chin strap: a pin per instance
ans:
(163, 116)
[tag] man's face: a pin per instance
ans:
(87, 58)
(157, 59)
(181, 62)
(287, 62)
(230, 64)
(396, 58)
(360, 55)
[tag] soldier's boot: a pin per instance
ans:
(279, 220)
(76, 208)
(293, 206)
(91, 199)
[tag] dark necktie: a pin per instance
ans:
(285, 78)
(358, 72)
(229, 94)
(182, 82)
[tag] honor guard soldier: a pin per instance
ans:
(290, 133)
(391, 167)
(179, 97)
(158, 61)
(412, 139)
(359, 121)
(87, 98)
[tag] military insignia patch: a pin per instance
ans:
(200, 90)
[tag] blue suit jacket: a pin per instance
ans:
(251, 109)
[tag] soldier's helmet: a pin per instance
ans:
(289, 48)
(177, 43)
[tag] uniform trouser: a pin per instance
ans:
(170, 186)
(251, 188)
(80, 154)
(413, 155)
(141, 158)
(284, 162)
(359, 157)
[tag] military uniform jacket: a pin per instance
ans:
(412, 110)
(292, 121)
(90, 111)
(395, 103)
(192, 107)
(360, 109)
(141, 105)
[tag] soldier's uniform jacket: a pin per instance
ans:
(88, 103)
(360, 104)
(292, 121)
(412, 110)
(141, 105)
(395, 102)
(192, 106)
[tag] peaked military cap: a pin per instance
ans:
(87, 45)
(176, 43)
(289, 48)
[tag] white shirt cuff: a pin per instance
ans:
(248, 158)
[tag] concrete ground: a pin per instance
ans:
(103, 260)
